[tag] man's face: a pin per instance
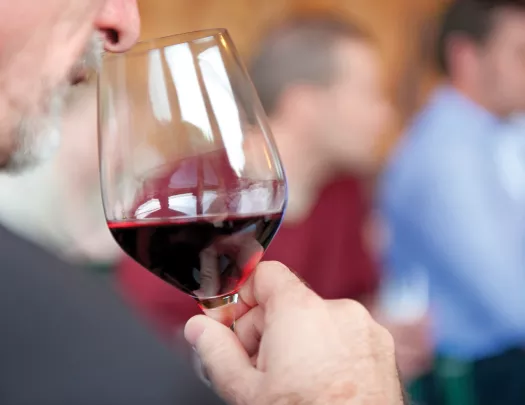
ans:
(357, 111)
(502, 63)
(46, 47)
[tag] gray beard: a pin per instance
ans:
(38, 138)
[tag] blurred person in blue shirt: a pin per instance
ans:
(453, 203)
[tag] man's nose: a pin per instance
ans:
(119, 22)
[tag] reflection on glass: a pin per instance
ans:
(192, 185)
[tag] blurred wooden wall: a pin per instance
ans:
(396, 23)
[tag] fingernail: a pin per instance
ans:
(194, 329)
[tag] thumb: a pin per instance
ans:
(226, 362)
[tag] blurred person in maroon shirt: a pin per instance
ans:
(320, 81)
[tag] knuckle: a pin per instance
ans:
(353, 317)
(356, 310)
(274, 266)
(292, 298)
(305, 298)
(268, 270)
(386, 338)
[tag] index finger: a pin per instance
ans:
(272, 281)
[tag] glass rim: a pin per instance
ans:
(151, 44)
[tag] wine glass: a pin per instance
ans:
(192, 184)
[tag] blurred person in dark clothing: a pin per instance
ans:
(320, 82)
(450, 214)
(67, 339)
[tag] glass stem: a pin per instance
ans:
(221, 309)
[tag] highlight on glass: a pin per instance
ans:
(192, 184)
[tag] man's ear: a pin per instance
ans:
(461, 54)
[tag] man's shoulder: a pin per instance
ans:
(439, 134)
(67, 338)
(15, 249)
(423, 154)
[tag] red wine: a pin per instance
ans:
(205, 257)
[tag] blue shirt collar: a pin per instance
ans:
(447, 97)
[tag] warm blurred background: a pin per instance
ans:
(399, 26)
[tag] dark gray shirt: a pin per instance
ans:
(66, 338)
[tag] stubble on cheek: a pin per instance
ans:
(8, 123)
(35, 60)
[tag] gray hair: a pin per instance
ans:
(301, 50)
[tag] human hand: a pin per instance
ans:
(292, 347)
(414, 348)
